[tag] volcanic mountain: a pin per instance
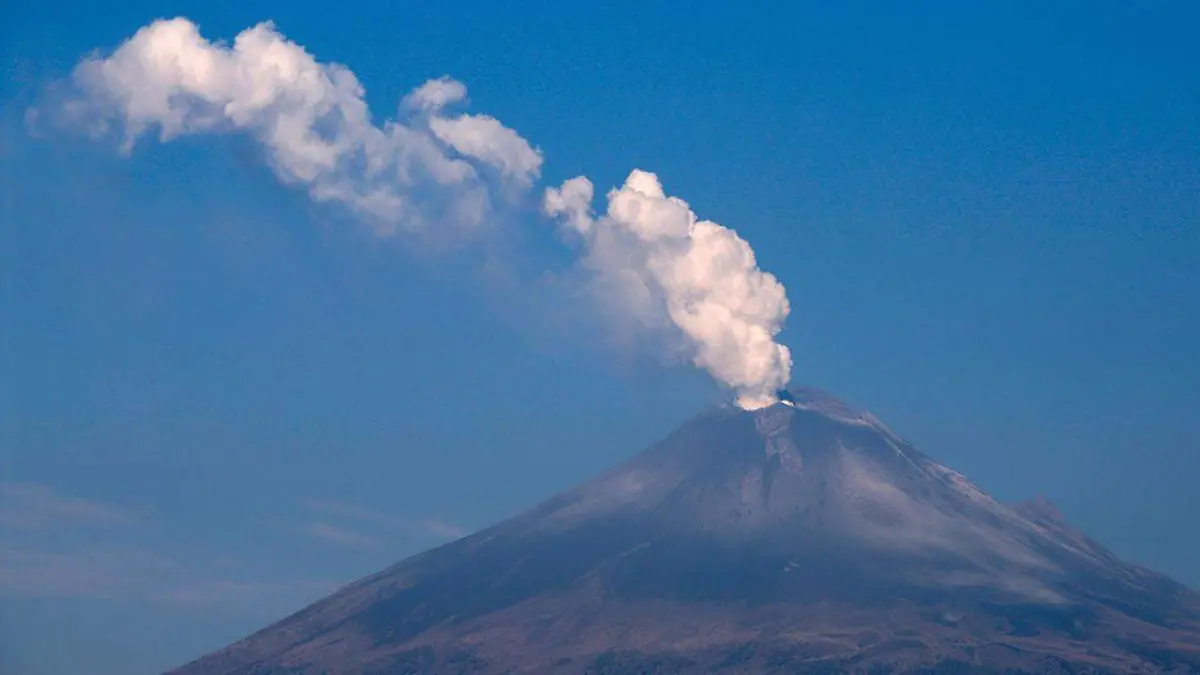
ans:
(805, 537)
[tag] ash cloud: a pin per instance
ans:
(648, 255)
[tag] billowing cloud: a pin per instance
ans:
(659, 256)
(485, 139)
(436, 94)
(311, 120)
(658, 264)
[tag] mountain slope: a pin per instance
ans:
(803, 537)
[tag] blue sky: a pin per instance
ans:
(221, 401)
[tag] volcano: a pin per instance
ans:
(804, 537)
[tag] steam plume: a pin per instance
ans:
(434, 167)
(652, 248)
(312, 121)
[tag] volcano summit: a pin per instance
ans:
(803, 537)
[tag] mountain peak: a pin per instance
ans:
(779, 539)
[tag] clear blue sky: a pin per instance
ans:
(220, 401)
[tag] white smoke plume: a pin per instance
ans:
(312, 121)
(432, 168)
(654, 250)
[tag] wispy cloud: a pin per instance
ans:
(441, 528)
(210, 593)
(134, 574)
(35, 506)
(340, 536)
(29, 571)
(338, 509)
(38, 561)
(41, 528)
(97, 561)
(387, 523)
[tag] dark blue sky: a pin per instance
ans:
(220, 400)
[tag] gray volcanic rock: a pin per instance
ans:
(805, 537)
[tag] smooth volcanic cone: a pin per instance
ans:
(803, 537)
